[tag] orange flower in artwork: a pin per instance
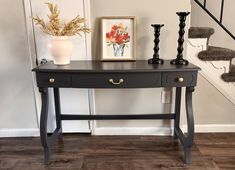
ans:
(114, 27)
(117, 35)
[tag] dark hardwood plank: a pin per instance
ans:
(218, 146)
(76, 151)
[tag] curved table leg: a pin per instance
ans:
(190, 122)
(47, 140)
(186, 140)
(43, 124)
(58, 110)
(177, 110)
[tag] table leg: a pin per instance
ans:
(177, 110)
(58, 109)
(185, 139)
(47, 140)
(43, 124)
(190, 122)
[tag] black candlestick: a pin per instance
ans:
(179, 59)
(156, 59)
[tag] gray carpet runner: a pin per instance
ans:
(229, 77)
(200, 32)
(216, 53)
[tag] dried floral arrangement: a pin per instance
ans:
(56, 27)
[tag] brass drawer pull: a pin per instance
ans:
(180, 80)
(52, 80)
(116, 83)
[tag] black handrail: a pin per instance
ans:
(220, 21)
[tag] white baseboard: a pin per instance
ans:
(156, 131)
(163, 131)
(212, 128)
(19, 132)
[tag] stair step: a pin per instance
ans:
(216, 53)
(228, 77)
(200, 32)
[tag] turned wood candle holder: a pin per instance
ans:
(179, 59)
(156, 59)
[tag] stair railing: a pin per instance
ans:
(218, 21)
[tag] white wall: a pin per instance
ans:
(210, 106)
(17, 107)
(17, 101)
(73, 101)
(147, 12)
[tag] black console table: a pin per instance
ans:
(96, 74)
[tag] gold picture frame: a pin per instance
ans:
(118, 38)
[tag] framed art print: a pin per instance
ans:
(118, 38)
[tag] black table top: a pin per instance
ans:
(101, 66)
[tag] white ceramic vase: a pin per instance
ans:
(61, 49)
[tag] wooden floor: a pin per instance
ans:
(211, 151)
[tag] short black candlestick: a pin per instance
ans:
(156, 59)
(179, 59)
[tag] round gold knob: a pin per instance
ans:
(180, 80)
(51, 80)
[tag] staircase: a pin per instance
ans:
(219, 21)
(216, 62)
(220, 54)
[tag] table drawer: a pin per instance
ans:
(53, 80)
(179, 79)
(116, 80)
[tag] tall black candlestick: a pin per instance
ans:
(179, 59)
(156, 59)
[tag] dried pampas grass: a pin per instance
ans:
(56, 27)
